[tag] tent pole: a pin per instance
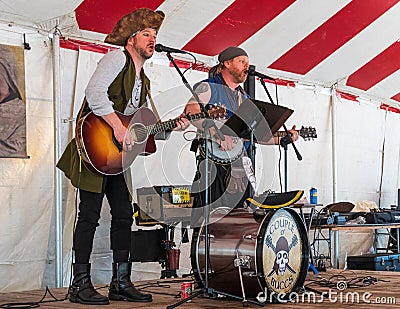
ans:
(57, 154)
(334, 163)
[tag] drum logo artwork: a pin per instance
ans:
(282, 253)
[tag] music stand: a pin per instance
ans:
(247, 119)
(256, 121)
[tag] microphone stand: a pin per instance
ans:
(284, 144)
(288, 136)
(207, 124)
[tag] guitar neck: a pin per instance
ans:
(172, 123)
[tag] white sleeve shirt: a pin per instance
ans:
(107, 70)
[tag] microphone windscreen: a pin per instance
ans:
(251, 71)
(158, 48)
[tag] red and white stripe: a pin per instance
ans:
(353, 44)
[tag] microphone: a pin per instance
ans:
(253, 72)
(161, 48)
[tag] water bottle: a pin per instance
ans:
(313, 196)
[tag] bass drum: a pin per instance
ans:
(273, 252)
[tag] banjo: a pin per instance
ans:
(223, 157)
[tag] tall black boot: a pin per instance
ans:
(81, 290)
(121, 286)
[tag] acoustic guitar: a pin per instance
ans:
(101, 152)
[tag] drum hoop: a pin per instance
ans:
(305, 252)
(195, 246)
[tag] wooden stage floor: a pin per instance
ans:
(362, 291)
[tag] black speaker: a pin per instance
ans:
(147, 246)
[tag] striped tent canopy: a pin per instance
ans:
(351, 45)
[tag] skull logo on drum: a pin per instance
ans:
(282, 259)
(281, 249)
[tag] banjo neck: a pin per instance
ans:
(283, 133)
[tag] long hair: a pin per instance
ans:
(216, 69)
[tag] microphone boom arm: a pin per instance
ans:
(207, 122)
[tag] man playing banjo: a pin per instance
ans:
(228, 181)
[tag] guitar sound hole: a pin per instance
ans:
(139, 133)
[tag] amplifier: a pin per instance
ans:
(163, 204)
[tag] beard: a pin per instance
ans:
(238, 75)
(143, 53)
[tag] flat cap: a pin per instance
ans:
(230, 53)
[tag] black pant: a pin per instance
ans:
(116, 191)
(219, 197)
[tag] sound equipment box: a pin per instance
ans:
(376, 261)
(383, 217)
(163, 204)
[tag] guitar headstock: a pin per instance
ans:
(308, 133)
(218, 112)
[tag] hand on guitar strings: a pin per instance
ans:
(287, 139)
(128, 141)
(182, 123)
(123, 137)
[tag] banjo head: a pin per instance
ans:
(217, 155)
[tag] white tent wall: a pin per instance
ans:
(360, 131)
(27, 186)
(311, 108)
(391, 168)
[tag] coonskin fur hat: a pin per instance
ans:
(137, 20)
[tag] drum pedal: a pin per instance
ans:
(239, 262)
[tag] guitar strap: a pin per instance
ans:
(80, 113)
(153, 106)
